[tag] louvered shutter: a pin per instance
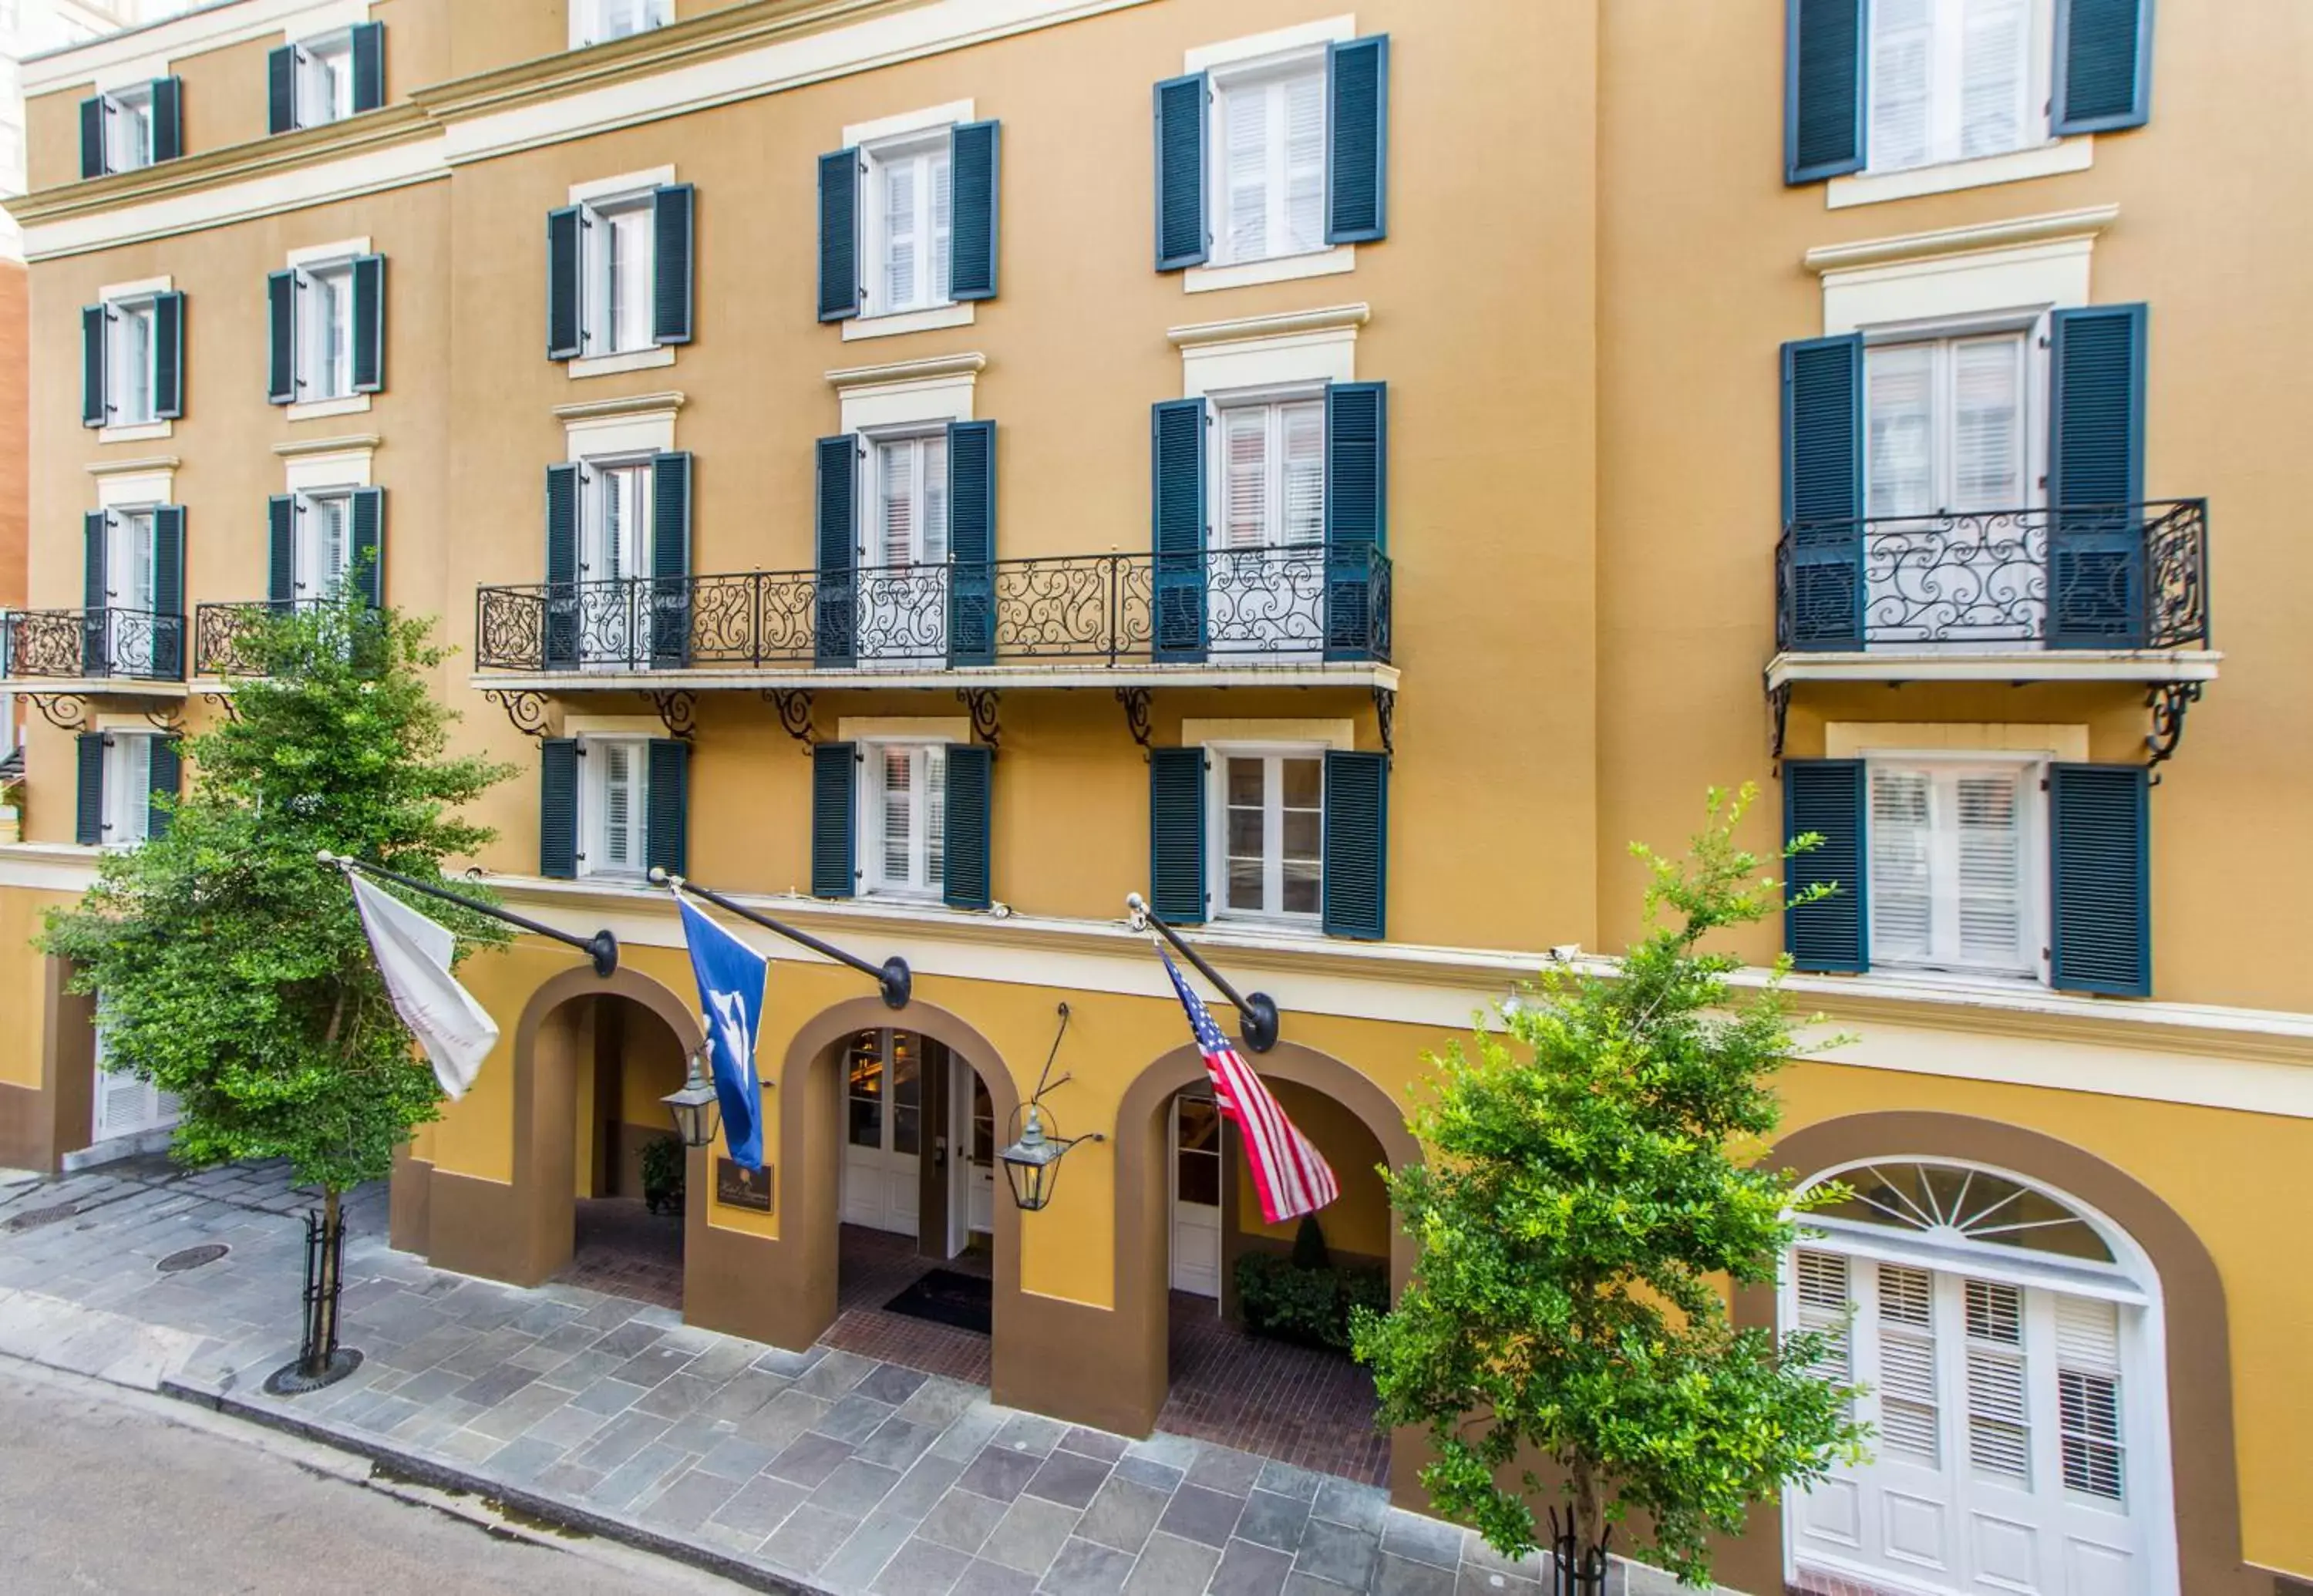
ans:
(369, 545)
(1182, 235)
(1176, 833)
(1177, 516)
(1819, 1281)
(837, 497)
(94, 112)
(2088, 1397)
(834, 820)
(2100, 889)
(1822, 575)
(168, 621)
(168, 777)
(1823, 89)
(281, 553)
(169, 356)
(1826, 797)
(669, 605)
(2104, 65)
(369, 324)
(562, 602)
(1902, 833)
(674, 246)
(1356, 78)
(1357, 513)
(971, 783)
(281, 337)
(557, 808)
(88, 799)
(95, 409)
(96, 596)
(1910, 1421)
(973, 149)
(1357, 845)
(838, 235)
(2096, 478)
(566, 336)
(1998, 1410)
(168, 118)
(369, 67)
(281, 90)
(666, 843)
(971, 542)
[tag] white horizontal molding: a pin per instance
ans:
(138, 289)
(147, 432)
(1254, 47)
(2084, 223)
(910, 122)
(908, 392)
(1340, 735)
(1330, 319)
(1282, 268)
(136, 54)
(326, 409)
(963, 313)
(656, 358)
(121, 467)
(341, 468)
(632, 404)
(907, 371)
(294, 447)
(1897, 297)
(2020, 665)
(135, 490)
(1024, 677)
(866, 729)
(625, 183)
(2052, 159)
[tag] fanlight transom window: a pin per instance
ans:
(1952, 1203)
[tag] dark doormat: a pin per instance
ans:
(947, 1298)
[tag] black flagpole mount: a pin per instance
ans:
(1257, 1019)
(602, 947)
(893, 974)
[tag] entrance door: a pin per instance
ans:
(132, 589)
(903, 567)
(1196, 1144)
(971, 1131)
(126, 1105)
(883, 1130)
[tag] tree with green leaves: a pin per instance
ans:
(1591, 1188)
(230, 967)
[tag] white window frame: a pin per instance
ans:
(127, 788)
(593, 807)
(325, 364)
(927, 804)
(2033, 323)
(872, 499)
(600, 218)
(1263, 71)
(601, 478)
(1273, 401)
(119, 368)
(324, 78)
(929, 150)
(2031, 770)
(309, 580)
(128, 128)
(1217, 850)
(1945, 111)
(590, 21)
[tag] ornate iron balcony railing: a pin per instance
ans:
(2129, 576)
(130, 645)
(221, 632)
(1270, 605)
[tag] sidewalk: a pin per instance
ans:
(814, 1470)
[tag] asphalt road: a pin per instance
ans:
(104, 1490)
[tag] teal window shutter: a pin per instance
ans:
(95, 112)
(169, 356)
(95, 409)
(369, 67)
(369, 324)
(971, 542)
(88, 799)
(667, 840)
(1176, 833)
(670, 598)
(1822, 579)
(1182, 235)
(168, 782)
(2096, 478)
(281, 90)
(1826, 797)
(557, 808)
(972, 186)
(1357, 172)
(96, 597)
(1177, 520)
(168, 118)
(281, 337)
(971, 782)
(1357, 514)
(168, 591)
(838, 235)
(565, 331)
(280, 553)
(673, 243)
(837, 496)
(1357, 845)
(561, 644)
(2104, 65)
(834, 818)
(1823, 46)
(2100, 879)
(369, 546)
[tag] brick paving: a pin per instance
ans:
(873, 1267)
(819, 1469)
(1298, 1404)
(624, 1250)
(1811, 1583)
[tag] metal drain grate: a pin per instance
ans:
(191, 1257)
(37, 1217)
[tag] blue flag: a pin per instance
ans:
(731, 976)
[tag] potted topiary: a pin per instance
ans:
(662, 1168)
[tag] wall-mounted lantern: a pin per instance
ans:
(1032, 1163)
(697, 1111)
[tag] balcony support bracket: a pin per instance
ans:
(678, 710)
(525, 709)
(1386, 713)
(66, 711)
(169, 720)
(980, 702)
(223, 700)
(1778, 706)
(1135, 700)
(2169, 701)
(794, 705)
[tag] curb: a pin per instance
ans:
(446, 1476)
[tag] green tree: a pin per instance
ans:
(230, 966)
(1590, 1187)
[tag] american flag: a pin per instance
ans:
(1290, 1172)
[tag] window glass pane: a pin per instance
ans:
(617, 803)
(1900, 881)
(1244, 782)
(1245, 509)
(1903, 48)
(1244, 885)
(1979, 1205)
(897, 462)
(1304, 162)
(1303, 841)
(935, 818)
(627, 275)
(1247, 822)
(907, 1094)
(1201, 1126)
(1244, 829)
(135, 373)
(864, 1089)
(1899, 383)
(1244, 170)
(1988, 423)
(899, 817)
(1991, 853)
(1305, 783)
(900, 234)
(1305, 472)
(941, 202)
(1995, 77)
(933, 452)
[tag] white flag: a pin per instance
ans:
(413, 955)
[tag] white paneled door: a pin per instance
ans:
(884, 1128)
(1196, 1160)
(972, 1170)
(126, 1105)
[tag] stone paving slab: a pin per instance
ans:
(813, 1471)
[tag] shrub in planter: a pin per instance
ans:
(663, 1169)
(1306, 1297)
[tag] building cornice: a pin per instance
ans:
(134, 468)
(633, 404)
(931, 368)
(299, 448)
(1330, 319)
(2085, 222)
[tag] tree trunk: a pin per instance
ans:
(1589, 1510)
(325, 1311)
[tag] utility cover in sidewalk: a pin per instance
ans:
(191, 1257)
(42, 1216)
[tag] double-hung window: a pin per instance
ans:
(1957, 861)
(903, 819)
(598, 21)
(1269, 144)
(911, 198)
(1269, 810)
(1272, 484)
(1955, 80)
(614, 807)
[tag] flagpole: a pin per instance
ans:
(1256, 1016)
(893, 974)
(602, 947)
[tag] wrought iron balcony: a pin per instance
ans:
(92, 645)
(2105, 576)
(1254, 606)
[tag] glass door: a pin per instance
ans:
(903, 570)
(882, 1131)
(1196, 1160)
(132, 590)
(1266, 588)
(613, 554)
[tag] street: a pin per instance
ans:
(105, 1490)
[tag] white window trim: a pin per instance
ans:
(592, 781)
(309, 258)
(1278, 268)
(875, 226)
(1217, 755)
(611, 365)
(319, 471)
(1249, 352)
(1256, 47)
(961, 313)
(2032, 321)
(587, 30)
(910, 122)
(869, 822)
(1221, 77)
(118, 802)
(2032, 868)
(143, 289)
(907, 392)
(590, 439)
(1979, 286)
(2076, 153)
(138, 491)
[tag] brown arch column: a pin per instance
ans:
(2202, 1470)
